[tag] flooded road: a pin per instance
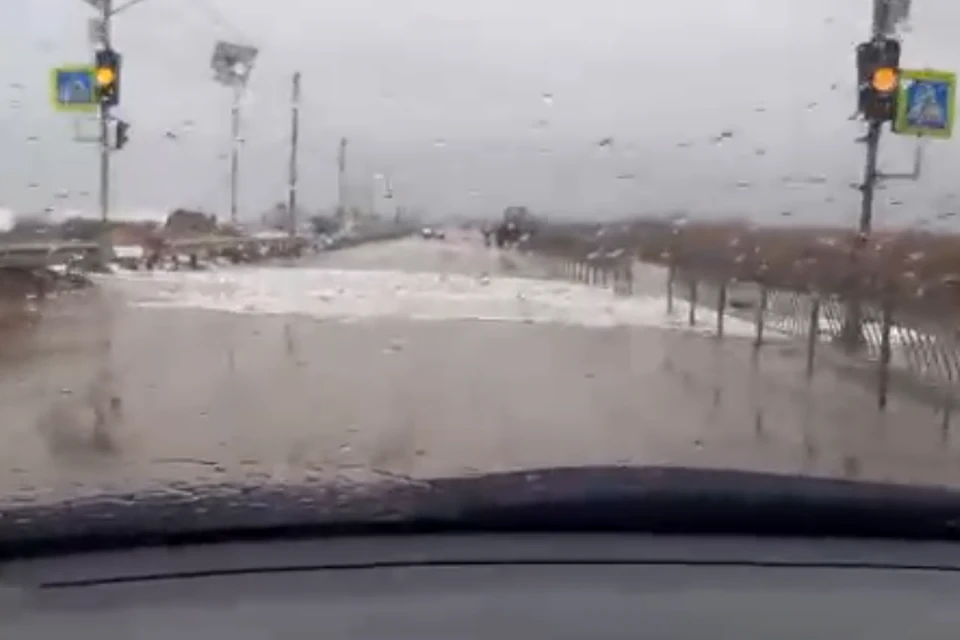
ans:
(415, 358)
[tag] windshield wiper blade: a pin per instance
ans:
(575, 499)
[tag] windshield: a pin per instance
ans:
(290, 242)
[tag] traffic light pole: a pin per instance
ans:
(881, 15)
(852, 330)
(106, 8)
(870, 177)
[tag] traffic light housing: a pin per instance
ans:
(123, 130)
(878, 79)
(107, 77)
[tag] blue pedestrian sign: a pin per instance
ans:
(73, 88)
(926, 103)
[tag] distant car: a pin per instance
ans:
(439, 234)
(426, 232)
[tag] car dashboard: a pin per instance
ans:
(491, 586)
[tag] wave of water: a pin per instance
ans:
(355, 295)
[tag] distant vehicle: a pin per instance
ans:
(429, 232)
(517, 224)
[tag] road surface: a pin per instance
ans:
(415, 358)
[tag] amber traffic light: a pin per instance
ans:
(885, 80)
(878, 77)
(107, 77)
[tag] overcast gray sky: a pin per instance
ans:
(474, 105)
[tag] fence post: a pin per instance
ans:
(721, 307)
(883, 383)
(945, 423)
(813, 333)
(626, 273)
(671, 278)
(759, 318)
(692, 316)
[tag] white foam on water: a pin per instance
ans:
(352, 295)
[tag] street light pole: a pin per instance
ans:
(232, 64)
(235, 151)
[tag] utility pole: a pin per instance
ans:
(106, 12)
(294, 135)
(341, 181)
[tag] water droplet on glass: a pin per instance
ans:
(439, 143)
(548, 99)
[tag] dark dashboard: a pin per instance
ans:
(491, 586)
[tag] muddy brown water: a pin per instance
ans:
(100, 395)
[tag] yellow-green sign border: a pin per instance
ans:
(55, 89)
(900, 125)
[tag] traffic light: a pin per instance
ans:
(878, 79)
(107, 77)
(123, 129)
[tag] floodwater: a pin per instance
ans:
(416, 358)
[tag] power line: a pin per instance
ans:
(216, 16)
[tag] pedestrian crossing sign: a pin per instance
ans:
(73, 89)
(926, 103)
